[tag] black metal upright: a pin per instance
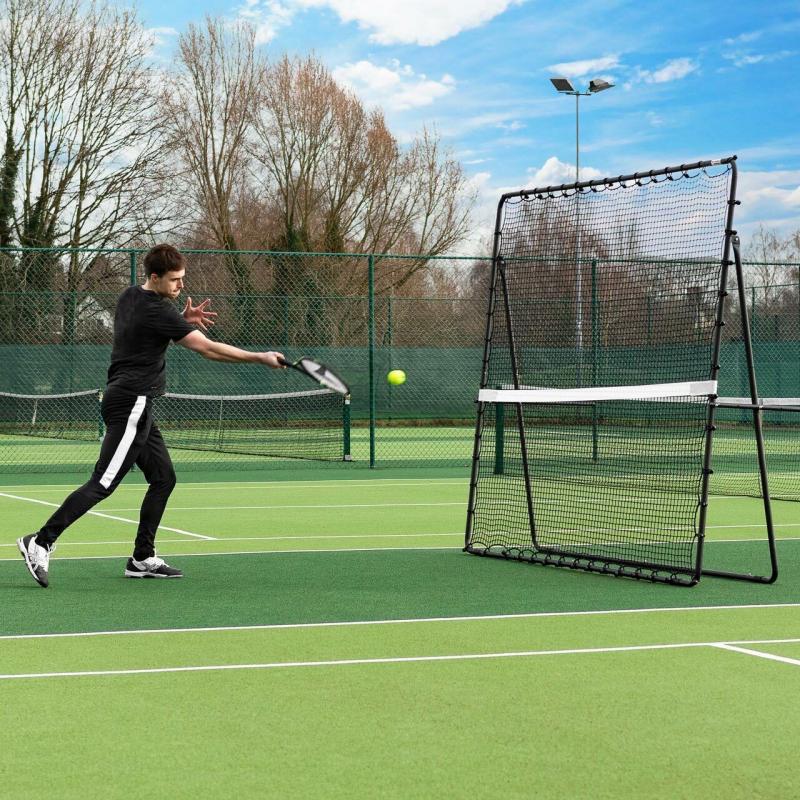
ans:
(732, 243)
(487, 350)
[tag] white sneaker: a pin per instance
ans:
(37, 558)
(153, 567)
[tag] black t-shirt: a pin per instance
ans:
(144, 324)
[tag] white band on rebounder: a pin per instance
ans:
(592, 394)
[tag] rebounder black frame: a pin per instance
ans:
(586, 561)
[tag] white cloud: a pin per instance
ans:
(160, 36)
(579, 69)
(673, 70)
(268, 16)
(421, 22)
(743, 38)
(395, 88)
(554, 172)
(775, 189)
(744, 59)
(514, 125)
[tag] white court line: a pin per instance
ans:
(759, 654)
(299, 537)
(251, 553)
(259, 485)
(328, 505)
(62, 544)
(346, 662)
(424, 620)
(106, 516)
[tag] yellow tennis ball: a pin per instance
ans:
(396, 377)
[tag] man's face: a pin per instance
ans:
(169, 284)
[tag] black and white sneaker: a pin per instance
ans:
(153, 567)
(37, 558)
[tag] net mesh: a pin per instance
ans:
(62, 432)
(617, 481)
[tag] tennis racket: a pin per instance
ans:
(318, 372)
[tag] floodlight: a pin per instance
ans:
(562, 84)
(599, 85)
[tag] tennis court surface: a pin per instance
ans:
(330, 639)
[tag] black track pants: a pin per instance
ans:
(131, 438)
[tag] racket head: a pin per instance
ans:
(324, 375)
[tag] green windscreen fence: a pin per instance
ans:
(363, 315)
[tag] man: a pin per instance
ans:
(145, 322)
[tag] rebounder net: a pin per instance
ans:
(612, 478)
(61, 432)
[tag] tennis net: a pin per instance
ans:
(45, 433)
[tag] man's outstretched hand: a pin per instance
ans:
(199, 315)
(272, 358)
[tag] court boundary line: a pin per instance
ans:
(412, 621)
(300, 505)
(405, 659)
(252, 553)
(261, 484)
(300, 537)
(757, 653)
(107, 516)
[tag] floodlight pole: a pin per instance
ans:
(564, 86)
(578, 270)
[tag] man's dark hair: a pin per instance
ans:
(163, 258)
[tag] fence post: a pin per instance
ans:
(595, 353)
(371, 345)
(743, 382)
(132, 260)
(346, 422)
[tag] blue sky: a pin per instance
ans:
(694, 79)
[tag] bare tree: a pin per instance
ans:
(340, 180)
(82, 155)
(767, 250)
(208, 102)
(81, 117)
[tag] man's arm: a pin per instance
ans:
(218, 351)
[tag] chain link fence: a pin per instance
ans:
(362, 314)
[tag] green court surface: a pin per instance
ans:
(331, 639)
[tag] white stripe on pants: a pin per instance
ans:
(124, 443)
